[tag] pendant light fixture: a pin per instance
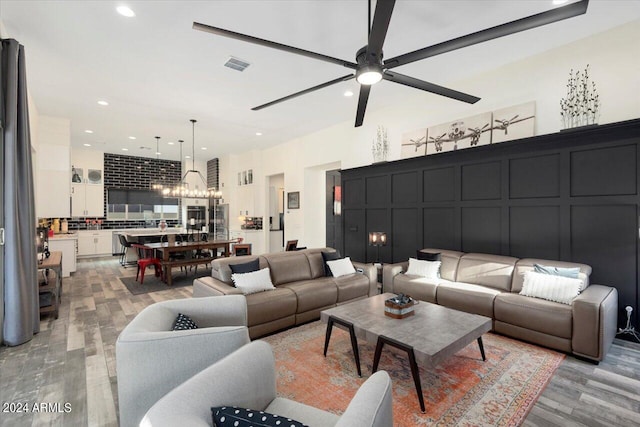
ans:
(183, 189)
(158, 184)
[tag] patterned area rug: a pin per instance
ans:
(463, 391)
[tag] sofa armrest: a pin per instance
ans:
(389, 271)
(371, 406)
(245, 378)
(371, 272)
(595, 318)
(211, 287)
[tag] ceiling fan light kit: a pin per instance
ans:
(370, 68)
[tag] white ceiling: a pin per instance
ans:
(156, 72)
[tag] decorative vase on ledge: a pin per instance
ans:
(581, 107)
(380, 146)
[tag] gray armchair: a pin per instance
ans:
(247, 379)
(151, 359)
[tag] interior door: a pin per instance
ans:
(1, 236)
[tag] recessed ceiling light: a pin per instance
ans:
(558, 2)
(187, 157)
(132, 137)
(87, 145)
(170, 143)
(258, 133)
(203, 148)
(125, 11)
(88, 131)
(103, 102)
(348, 93)
(125, 149)
(158, 153)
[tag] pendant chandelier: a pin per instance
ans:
(182, 189)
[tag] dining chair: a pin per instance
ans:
(242, 249)
(175, 255)
(291, 245)
(125, 244)
(146, 259)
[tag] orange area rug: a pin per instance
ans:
(462, 391)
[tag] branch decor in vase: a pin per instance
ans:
(380, 146)
(581, 107)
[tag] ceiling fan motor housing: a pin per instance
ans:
(368, 63)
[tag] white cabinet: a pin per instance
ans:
(52, 191)
(87, 200)
(68, 248)
(94, 243)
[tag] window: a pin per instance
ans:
(140, 205)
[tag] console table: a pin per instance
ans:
(51, 291)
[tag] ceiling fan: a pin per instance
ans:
(370, 67)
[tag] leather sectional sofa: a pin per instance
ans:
(490, 284)
(302, 289)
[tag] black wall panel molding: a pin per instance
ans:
(568, 196)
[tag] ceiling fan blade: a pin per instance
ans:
(533, 21)
(381, 19)
(362, 104)
(303, 92)
(429, 87)
(274, 45)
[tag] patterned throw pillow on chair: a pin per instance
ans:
(184, 322)
(238, 417)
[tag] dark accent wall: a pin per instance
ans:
(570, 196)
(213, 174)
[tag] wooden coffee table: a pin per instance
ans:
(432, 335)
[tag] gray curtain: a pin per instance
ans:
(21, 312)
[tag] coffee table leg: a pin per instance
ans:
(352, 335)
(481, 348)
(415, 372)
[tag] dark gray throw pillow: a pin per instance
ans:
(232, 416)
(183, 323)
(429, 256)
(245, 267)
(329, 256)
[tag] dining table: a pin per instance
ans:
(166, 249)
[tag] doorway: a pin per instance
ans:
(275, 208)
(333, 210)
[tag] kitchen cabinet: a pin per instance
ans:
(94, 243)
(87, 200)
(66, 245)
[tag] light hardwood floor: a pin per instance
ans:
(72, 360)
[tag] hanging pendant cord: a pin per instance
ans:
(193, 145)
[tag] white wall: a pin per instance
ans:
(53, 167)
(614, 60)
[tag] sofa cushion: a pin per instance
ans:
(467, 297)
(488, 270)
(571, 272)
(287, 267)
(255, 281)
(417, 287)
(314, 294)
(220, 266)
(316, 263)
(536, 314)
(351, 286)
(550, 287)
(232, 416)
(263, 307)
(526, 264)
(245, 267)
(449, 259)
(329, 256)
(341, 267)
(428, 269)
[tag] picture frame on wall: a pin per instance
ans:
(293, 200)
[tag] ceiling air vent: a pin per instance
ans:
(236, 64)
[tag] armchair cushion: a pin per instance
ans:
(183, 322)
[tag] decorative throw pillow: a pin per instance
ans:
(245, 267)
(550, 287)
(429, 256)
(183, 322)
(557, 271)
(329, 256)
(233, 416)
(341, 267)
(428, 269)
(255, 281)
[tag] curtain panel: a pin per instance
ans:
(21, 301)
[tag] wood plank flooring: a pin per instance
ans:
(72, 361)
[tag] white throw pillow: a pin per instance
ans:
(341, 267)
(553, 288)
(428, 269)
(256, 281)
